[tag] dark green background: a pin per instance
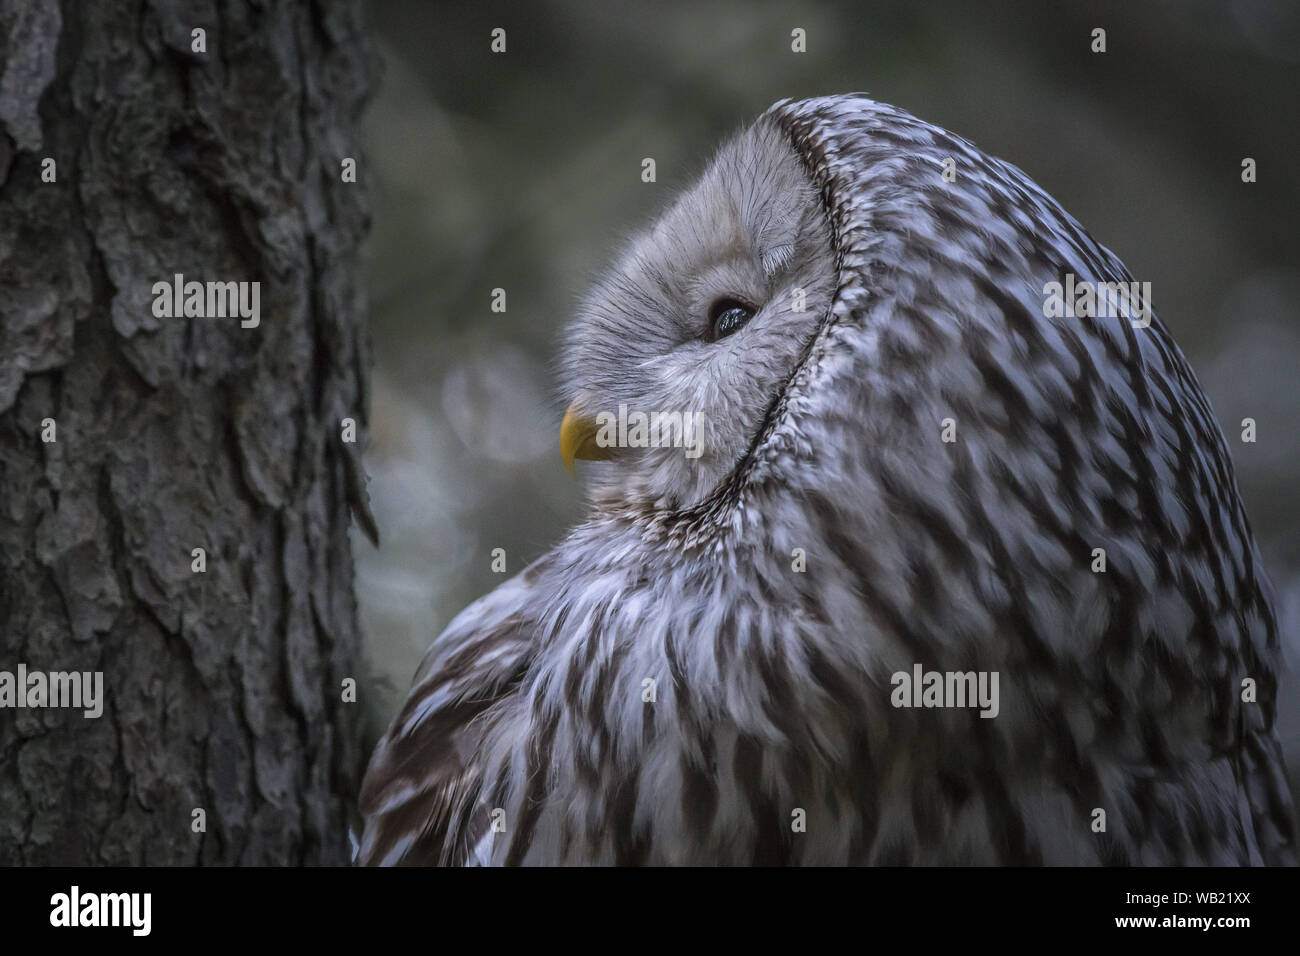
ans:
(522, 171)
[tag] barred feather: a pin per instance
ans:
(526, 738)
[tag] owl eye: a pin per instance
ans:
(727, 316)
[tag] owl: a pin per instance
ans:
(912, 539)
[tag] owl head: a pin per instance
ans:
(680, 350)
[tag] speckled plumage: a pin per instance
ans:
(1120, 691)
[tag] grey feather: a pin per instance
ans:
(527, 738)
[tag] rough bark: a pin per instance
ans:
(222, 688)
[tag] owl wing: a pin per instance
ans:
(421, 797)
(1261, 774)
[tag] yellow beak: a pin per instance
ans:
(578, 439)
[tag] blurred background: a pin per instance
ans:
(522, 171)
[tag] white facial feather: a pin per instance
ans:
(752, 229)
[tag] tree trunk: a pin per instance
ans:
(223, 686)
